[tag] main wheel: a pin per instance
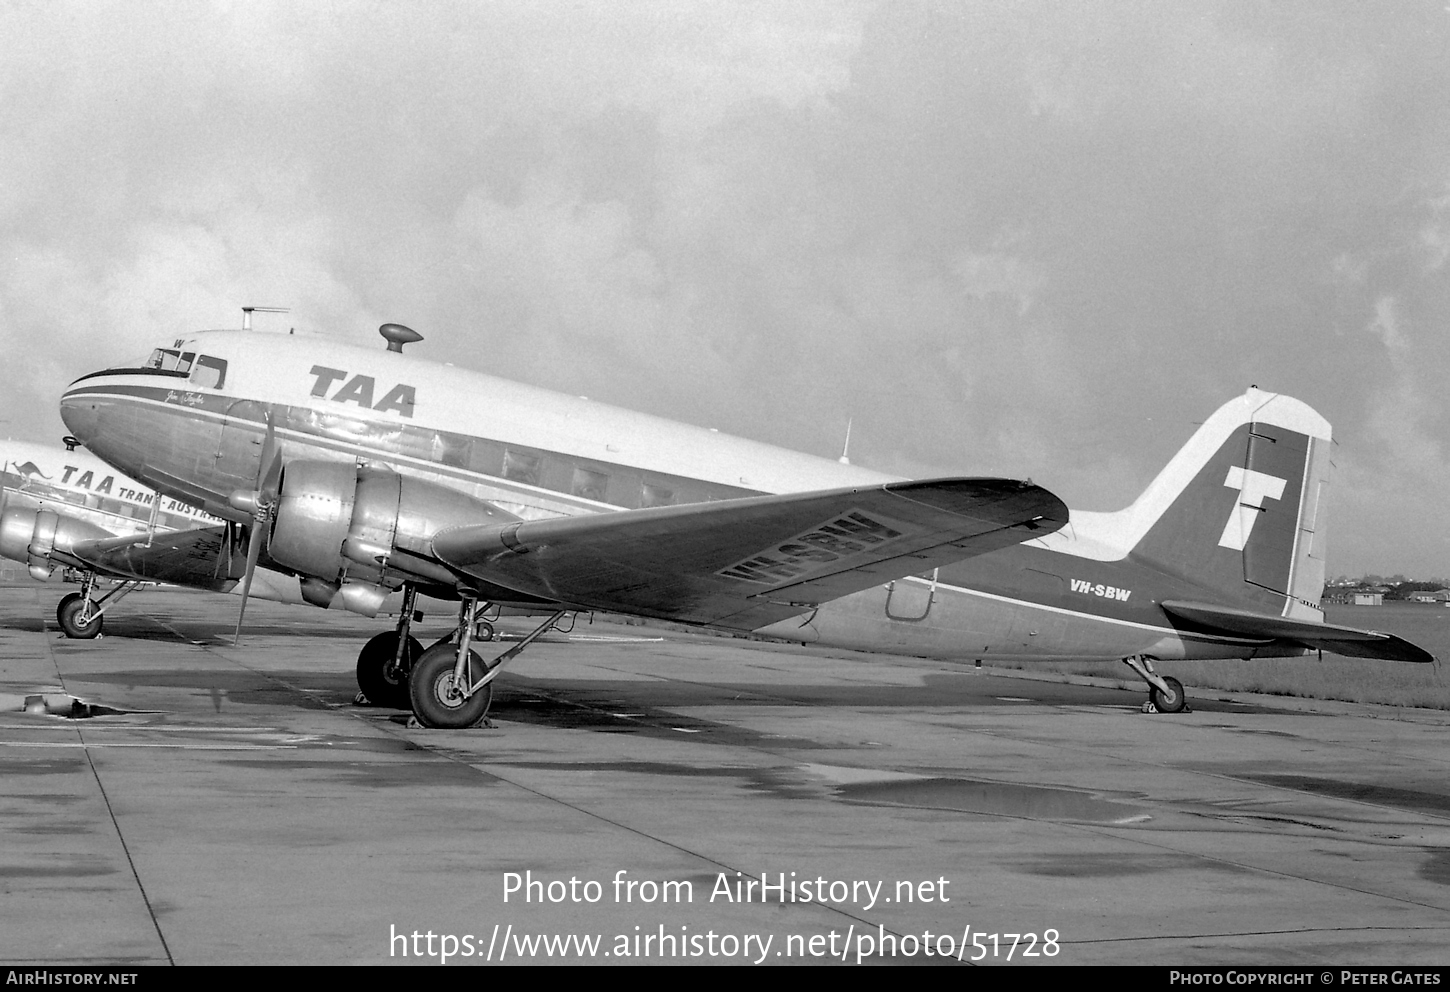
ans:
(484, 631)
(382, 687)
(68, 613)
(437, 701)
(1171, 701)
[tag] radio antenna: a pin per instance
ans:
(248, 311)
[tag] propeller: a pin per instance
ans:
(261, 502)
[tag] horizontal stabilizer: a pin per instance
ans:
(746, 563)
(1349, 641)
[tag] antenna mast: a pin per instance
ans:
(248, 311)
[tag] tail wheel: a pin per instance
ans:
(1168, 702)
(69, 614)
(437, 700)
(375, 677)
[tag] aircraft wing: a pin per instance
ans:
(1349, 641)
(746, 563)
(197, 558)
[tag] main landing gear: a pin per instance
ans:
(80, 616)
(385, 662)
(450, 687)
(1165, 693)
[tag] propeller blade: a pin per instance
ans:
(269, 467)
(263, 500)
(224, 553)
(254, 549)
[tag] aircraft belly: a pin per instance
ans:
(963, 626)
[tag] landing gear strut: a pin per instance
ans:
(1165, 693)
(80, 616)
(385, 662)
(451, 687)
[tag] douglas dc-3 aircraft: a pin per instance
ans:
(364, 471)
(68, 508)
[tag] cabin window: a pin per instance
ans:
(483, 456)
(209, 372)
(589, 484)
(450, 449)
(521, 466)
(652, 495)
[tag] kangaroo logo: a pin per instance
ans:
(1254, 488)
(31, 469)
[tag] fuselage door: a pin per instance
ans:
(910, 598)
(239, 449)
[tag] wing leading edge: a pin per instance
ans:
(1349, 641)
(746, 563)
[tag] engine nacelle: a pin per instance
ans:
(31, 535)
(349, 530)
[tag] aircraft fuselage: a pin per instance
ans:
(195, 433)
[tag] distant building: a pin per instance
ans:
(1441, 596)
(1355, 596)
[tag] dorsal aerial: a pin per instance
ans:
(397, 335)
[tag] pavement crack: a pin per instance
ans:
(110, 812)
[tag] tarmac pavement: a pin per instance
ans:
(240, 809)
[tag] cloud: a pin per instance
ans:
(1386, 325)
(1032, 238)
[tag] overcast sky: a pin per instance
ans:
(1030, 239)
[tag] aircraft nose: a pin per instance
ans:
(80, 414)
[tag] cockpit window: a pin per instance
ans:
(205, 370)
(162, 358)
(208, 371)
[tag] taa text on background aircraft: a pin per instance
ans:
(364, 471)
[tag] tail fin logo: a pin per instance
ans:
(1254, 488)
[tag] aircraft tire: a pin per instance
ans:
(372, 670)
(484, 631)
(431, 688)
(1169, 703)
(68, 613)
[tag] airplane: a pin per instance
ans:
(366, 470)
(72, 510)
(68, 509)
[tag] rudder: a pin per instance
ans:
(1239, 510)
(1248, 523)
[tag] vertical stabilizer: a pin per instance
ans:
(1239, 510)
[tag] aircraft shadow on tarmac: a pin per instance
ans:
(647, 708)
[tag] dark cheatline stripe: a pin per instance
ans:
(469, 458)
